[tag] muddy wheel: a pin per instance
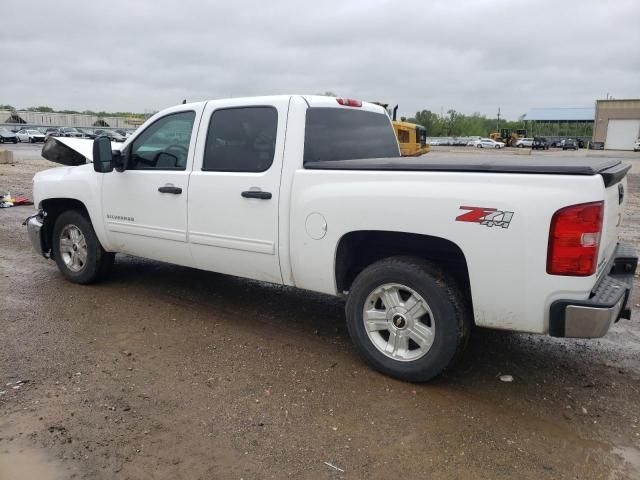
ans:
(77, 251)
(407, 318)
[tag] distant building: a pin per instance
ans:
(617, 123)
(560, 122)
(46, 119)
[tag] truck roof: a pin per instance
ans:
(319, 101)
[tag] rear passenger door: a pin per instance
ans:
(234, 188)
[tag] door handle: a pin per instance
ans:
(170, 189)
(257, 194)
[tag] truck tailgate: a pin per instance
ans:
(615, 183)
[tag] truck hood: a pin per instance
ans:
(71, 151)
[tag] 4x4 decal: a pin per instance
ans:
(489, 217)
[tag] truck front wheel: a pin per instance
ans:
(407, 318)
(77, 251)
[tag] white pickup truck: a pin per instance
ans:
(311, 192)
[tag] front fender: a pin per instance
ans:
(80, 184)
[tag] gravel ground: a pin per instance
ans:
(170, 372)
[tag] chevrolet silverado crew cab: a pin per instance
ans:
(312, 192)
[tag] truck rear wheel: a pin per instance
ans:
(77, 251)
(407, 318)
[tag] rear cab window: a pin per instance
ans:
(347, 134)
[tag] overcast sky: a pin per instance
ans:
(472, 56)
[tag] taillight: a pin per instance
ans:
(574, 239)
(349, 102)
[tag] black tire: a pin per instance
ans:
(98, 262)
(15, 140)
(451, 316)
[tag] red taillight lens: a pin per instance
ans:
(349, 102)
(574, 239)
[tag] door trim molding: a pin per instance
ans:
(173, 234)
(233, 243)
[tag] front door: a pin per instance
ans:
(235, 188)
(145, 207)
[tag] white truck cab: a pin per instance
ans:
(311, 192)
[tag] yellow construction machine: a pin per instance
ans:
(411, 137)
(508, 136)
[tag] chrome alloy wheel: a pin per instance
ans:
(399, 322)
(73, 248)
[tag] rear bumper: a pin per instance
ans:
(609, 301)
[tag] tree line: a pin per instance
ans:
(453, 124)
(456, 124)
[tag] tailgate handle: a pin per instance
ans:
(620, 193)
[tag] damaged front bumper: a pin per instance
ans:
(35, 231)
(609, 301)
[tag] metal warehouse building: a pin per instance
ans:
(617, 123)
(47, 119)
(560, 122)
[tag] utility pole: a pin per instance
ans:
(498, 123)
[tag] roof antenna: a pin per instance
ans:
(184, 101)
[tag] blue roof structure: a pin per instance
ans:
(578, 114)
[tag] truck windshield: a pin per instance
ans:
(343, 134)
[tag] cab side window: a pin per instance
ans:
(164, 145)
(241, 140)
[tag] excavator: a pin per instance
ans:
(508, 136)
(411, 137)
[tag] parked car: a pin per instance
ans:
(636, 147)
(30, 135)
(523, 142)
(7, 136)
(124, 132)
(413, 289)
(485, 143)
(70, 132)
(570, 144)
(87, 133)
(52, 132)
(540, 143)
(112, 134)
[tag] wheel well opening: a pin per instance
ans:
(357, 250)
(53, 207)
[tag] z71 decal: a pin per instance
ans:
(489, 217)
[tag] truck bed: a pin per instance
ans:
(612, 170)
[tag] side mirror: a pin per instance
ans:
(102, 155)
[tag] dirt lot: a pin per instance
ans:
(169, 372)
